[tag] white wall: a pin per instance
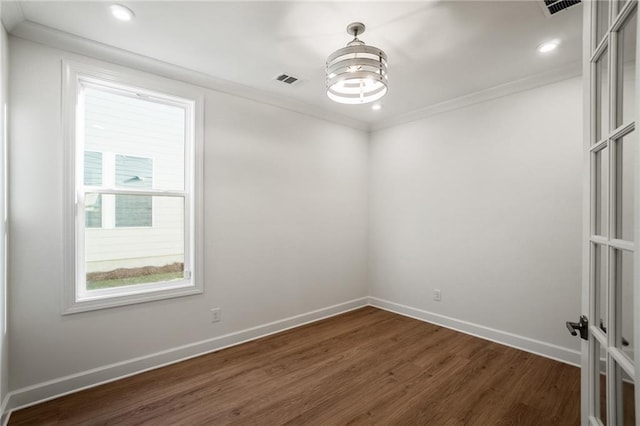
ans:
(4, 84)
(285, 228)
(484, 203)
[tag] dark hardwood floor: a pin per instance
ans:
(364, 367)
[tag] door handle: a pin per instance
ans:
(625, 342)
(582, 327)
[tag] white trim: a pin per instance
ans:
(588, 347)
(41, 392)
(4, 413)
(594, 422)
(636, 235)
(45, 391)
(527, 83)
(61, 40)
(544, 9)
(537, 347)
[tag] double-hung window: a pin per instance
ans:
(134, 183)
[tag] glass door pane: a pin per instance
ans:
(602, 96)
(628, 402)
(621, 4)
(624, 296)
(602, 19)
(627, 70)
(601, 387)
(603, 399)
(600, 276)
(625, 188)
(601, 177)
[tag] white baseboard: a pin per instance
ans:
(41, 392)
(537, 347)
(4, 417)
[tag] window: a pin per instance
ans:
(134, 188)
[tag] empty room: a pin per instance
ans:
(319, 212)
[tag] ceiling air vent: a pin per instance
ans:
(286, 79)
(551, 7)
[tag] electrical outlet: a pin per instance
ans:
(437, 295)
(215, 314)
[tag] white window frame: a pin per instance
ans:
(76, 76)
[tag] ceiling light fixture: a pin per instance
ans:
(548, 46)
(376, 107)
(356, 74)
(121, 13)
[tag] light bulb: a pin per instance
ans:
(121, 13)
(548, 46)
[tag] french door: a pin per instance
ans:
(611, 283)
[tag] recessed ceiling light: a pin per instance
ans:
(548, 46)
(376, 107)
(121, 13)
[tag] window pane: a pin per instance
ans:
(624, 290)
(602, 96)
(625, 197)
(134, 210)
(129, 256)
(601, 176)
(132, 127)
(627, 71)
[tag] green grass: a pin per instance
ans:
(141, 279)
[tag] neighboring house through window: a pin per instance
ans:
(133, 172)
(127, 210)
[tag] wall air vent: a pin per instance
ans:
(286, 79)
(551, 7)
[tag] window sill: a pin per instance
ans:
(105, 302)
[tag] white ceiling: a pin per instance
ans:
(438, 50)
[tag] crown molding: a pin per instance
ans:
(573, 69)
(11, 14)
(65, 41)
(51, 37)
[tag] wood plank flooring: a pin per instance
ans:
(364, 367)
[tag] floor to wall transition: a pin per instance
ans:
(366, 366)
